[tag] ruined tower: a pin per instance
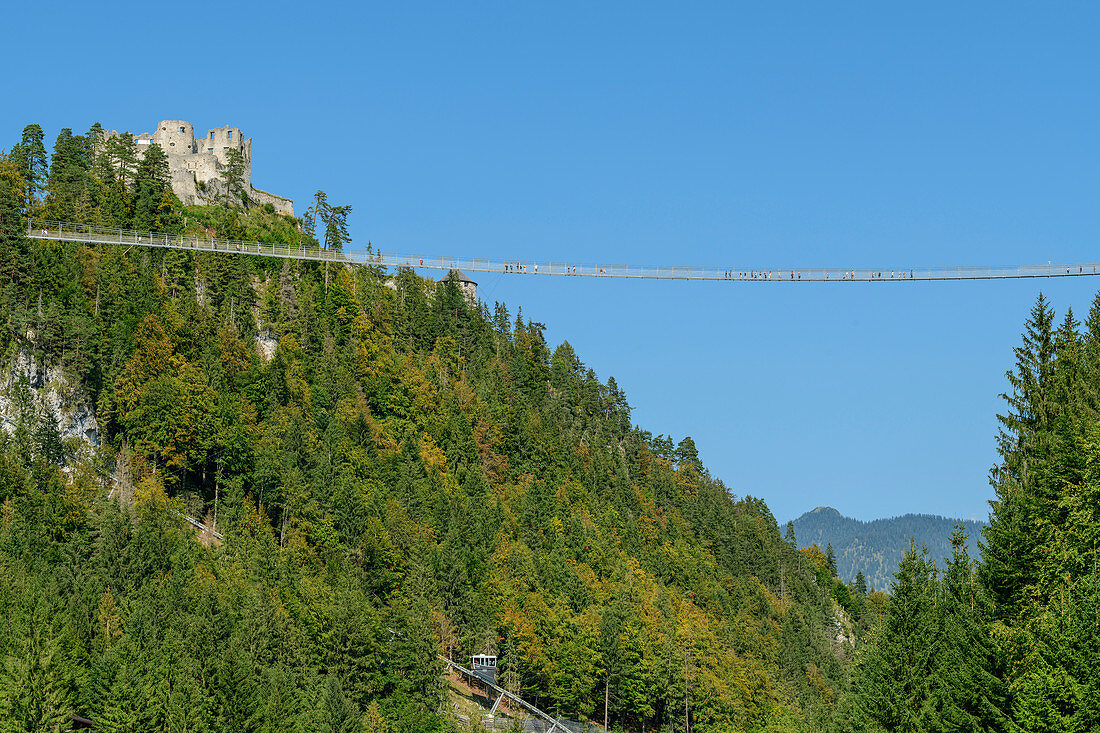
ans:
(196, 164)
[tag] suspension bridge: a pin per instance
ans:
(81, 233)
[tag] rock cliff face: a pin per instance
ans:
(30, 391)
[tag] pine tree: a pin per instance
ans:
(335, 219)
(317, 211)
(29, 155)
(69, 197)
(687, 455)
(122, 156)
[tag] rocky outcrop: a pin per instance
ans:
(842, 635)
(30, 391)
(266, 345)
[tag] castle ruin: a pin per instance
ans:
(196, 164)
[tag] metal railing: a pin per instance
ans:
(540, 721)
(68, 232)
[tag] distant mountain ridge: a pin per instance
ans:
(876, 547)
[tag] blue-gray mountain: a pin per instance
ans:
(877, 547)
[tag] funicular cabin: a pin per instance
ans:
(484, 666)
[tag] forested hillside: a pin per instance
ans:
(407, 475)
(876, 548)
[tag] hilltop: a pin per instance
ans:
(394, 472)
(876, 547)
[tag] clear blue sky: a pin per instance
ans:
(770, 134)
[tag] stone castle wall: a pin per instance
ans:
(193, 161)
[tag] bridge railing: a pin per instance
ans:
(65, 231)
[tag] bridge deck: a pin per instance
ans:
(65, 232)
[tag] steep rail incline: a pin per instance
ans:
(66, 232)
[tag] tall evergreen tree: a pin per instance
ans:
(860, 585)
(122, 155)
(335, 219)
(892, 678)
(968, 693)
(234, 188)
(687, 454)
(154, 205)
(29, 156)
(69, 197)
(1011, 551)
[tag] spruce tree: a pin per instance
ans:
(68, 197)
(967, 690)
(1011, 552)
(122, 155)
(234, 190)
(153, 203)
(892, 677)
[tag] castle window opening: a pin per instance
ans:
(183, 129)
(211, 134)
(230, 134)
(210, 150)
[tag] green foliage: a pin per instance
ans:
(29, 157)
(1016, 651)
(234, 190)
(932, 664)
(154, 205)
(405, 475)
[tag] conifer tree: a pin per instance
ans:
(967, 691)
(121, 153)
(1011, 553)
(892, 678)
(68, 197)
(687, 455)
(29, 156)
(154, 204)
(234, 190)
(335, 219)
